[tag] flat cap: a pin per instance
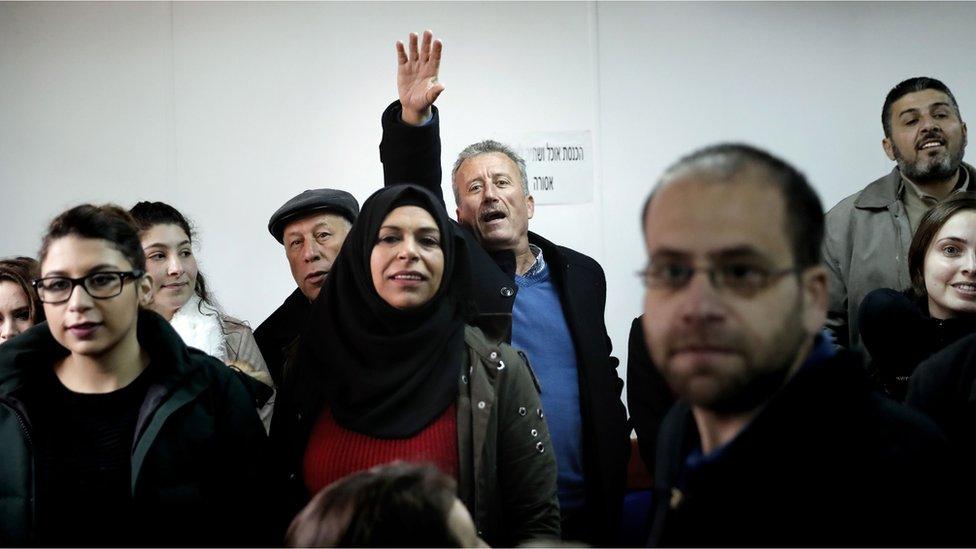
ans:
(310, 202)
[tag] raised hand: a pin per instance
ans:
(417, 77)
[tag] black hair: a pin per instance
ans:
(802, 207)
(107, 222)
(912, 85)
(149, 214)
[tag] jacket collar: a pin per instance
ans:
(168, 354)
(885, 191)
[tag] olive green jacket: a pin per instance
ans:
(507, 474)
(507, 468)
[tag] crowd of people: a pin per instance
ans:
(796, 377)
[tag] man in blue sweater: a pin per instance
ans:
(556, 296)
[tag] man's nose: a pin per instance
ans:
(702, 301)
(490, 192)
(311, 251)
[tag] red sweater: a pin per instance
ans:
(334, 452)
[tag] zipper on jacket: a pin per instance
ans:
(22, 421)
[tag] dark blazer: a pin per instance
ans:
(827, 462)
(279, 330)
(412, 155)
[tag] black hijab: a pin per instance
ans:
(387, 372)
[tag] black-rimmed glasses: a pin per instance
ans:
(100, 285)
(743, 279)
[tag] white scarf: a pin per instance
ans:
(200, 329)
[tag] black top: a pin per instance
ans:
(83, 446)
(899, 334)
(827, 462)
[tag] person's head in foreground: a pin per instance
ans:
(394, 505)
(735, 289)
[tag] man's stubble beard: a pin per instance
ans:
(937, 171)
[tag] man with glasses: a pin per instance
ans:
(776, 439)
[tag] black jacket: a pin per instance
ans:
(944, 388)
(200, 470)
(279, 330)
(412, 155)
(899, 334)
(648, 396)
(827, 462)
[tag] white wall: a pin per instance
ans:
(226, 110)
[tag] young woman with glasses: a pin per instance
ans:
(112, 430)
(180, 295)
(19, 307)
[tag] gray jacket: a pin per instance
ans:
(866, 241)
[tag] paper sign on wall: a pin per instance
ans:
(559, 165)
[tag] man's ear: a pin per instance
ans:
(145, 290)
(888, 148)
(530, 205)
(814, 288)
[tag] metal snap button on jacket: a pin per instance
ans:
(507, 292)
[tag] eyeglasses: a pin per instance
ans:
(100, 285)
(742, 279)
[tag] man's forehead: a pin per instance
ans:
(702, 217)
(922, 99)
(313, 220)
(494, 163)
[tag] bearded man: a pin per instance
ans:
(868, 233)
(777, 439)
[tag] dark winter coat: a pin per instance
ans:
(412, 155)
(200, 471)
(826, 462)
(899, 334)
(944, 388)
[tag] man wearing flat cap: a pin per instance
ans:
(312, 227)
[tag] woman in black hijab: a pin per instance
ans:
(387, 369)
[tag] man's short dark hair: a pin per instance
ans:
(802, 207)
(912, 85)
(107, 222)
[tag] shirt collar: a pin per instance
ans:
(540, 263)
(961, 185)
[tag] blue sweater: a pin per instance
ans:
(539, 329)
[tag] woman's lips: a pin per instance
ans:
(84, 330)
